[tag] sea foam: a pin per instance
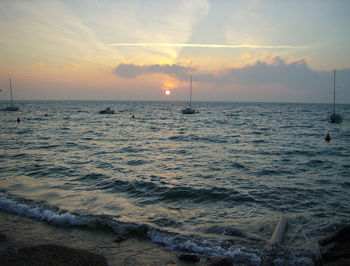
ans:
(237, 254)
(41, 213)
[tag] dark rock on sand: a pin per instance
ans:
(335, 251)
(139, 231)
(342, 235)
(119, 239)
(219, 261)
(189, 257)
(340, 262)
(51, 255)
(3, 237)
(336, 247)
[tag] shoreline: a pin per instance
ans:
(27, 241)
(19, 235)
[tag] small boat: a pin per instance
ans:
(12, 107)
(334, 118)
(189, 110)
(108, 110)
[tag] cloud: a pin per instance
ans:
(245, 56)
(122, 22)
(274, 70)
(51, 33)
(278, 71)
(40, 66)
(132, 71)
(220, 46)
(275, 79)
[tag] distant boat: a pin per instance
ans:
(12, 107)
(108, 110)
(189, 110)
(334, 118)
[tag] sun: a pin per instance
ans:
(167, 92)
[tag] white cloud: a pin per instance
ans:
(157, 21)
(193, 45)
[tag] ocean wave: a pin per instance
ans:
(201, 195)
(136, 162)
(207, 139)
(41, 213)
(18, 156)
(57, 217)
(146, 191)
(166, 222)
(207, 247)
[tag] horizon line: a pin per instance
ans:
(21, 100)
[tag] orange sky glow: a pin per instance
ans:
(235, 50)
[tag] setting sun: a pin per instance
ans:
(167, 92)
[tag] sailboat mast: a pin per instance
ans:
(334, 93)
(190, 90)
(11, 92)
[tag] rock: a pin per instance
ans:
(341, 262)
(342, 235)
(51, 255)
(335, 251)
(336, 247)
(3, 237)
(119, 238)
(139, 231)
(219, 261)
(189, 257)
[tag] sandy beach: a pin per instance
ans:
(25, 241)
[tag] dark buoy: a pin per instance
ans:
(133, 116)
(328, 138)
(45, 114)
(18, 120)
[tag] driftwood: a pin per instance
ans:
(279, 232)
(273, 248)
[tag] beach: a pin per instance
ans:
(18, 234)
(26, 241)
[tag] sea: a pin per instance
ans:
(214, 183)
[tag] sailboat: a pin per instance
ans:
(108, 110)
(334, 118)
(12, 107)
(189, 110)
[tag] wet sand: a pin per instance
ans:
(25, 241)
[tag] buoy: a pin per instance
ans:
(328, 137)
(18, 120)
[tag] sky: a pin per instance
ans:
(235, 50)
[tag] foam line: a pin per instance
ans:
(41, 213)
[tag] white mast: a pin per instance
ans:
(190, 90)
(334, 92)
(11, 93)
